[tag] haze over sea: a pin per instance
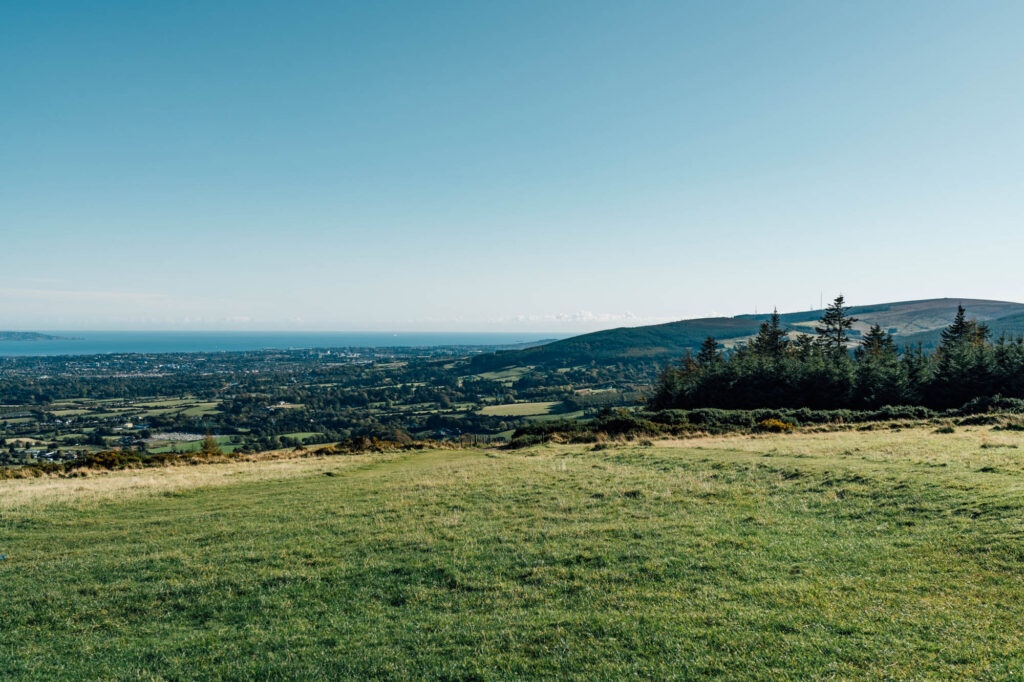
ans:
(94, 342)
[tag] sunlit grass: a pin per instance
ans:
(833, 555)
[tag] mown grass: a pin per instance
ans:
(835, 555)
(520, 409)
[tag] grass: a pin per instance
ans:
(577, 414)
(202, 409)
(71, 412)
(506, 375)
(190, 446)
(165, 403)
(302, 436)
(520, 409)
(835, 555)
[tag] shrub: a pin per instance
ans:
(111, 459)
(623, 423)
(981, 420)
(668, 417)
(709, 416)
(995, 403)
(773, 426)
(893, 412)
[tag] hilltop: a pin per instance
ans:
(908, 321)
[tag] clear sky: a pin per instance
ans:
(554, 166)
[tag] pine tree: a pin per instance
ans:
(210, 447)
(669, 388)
(708, 356)
(963, 331)
(771, 340)
(957, 331)
(963, 363)
(802, 346)
(878, 378)
(876, 343)
(834, 325)
(917, 373)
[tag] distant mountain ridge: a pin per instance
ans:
(908, 321)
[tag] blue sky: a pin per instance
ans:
(553, 166)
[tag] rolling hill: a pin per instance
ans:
(908, 321)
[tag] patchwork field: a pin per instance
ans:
(520, 409)
(879, 554)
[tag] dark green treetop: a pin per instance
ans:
(772, 339)
(834, 325)
(709, 354)
(963, 331)
(877, 342)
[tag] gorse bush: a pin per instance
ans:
(774, 426)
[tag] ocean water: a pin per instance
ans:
(90, 343)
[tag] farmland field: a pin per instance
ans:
(520, 409)
(877, 554)
(302, 436)
(159, 446)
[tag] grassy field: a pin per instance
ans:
(520, 409)
(508, 375)
(302, 436)
(879, 554)
(224, 442)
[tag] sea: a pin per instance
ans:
(97, 342)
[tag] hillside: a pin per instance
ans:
(777, 557)
(909, 321)
(655, 342)
(1011, 325)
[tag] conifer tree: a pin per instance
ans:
(916, 370)
(957, 331)
(708, 356)
(771, 340)
(877, 342)
(802, 346)
(834, 325)
(210, 447)
(963, 331)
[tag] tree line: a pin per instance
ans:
(824, 370)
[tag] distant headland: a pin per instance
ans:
(34, 336)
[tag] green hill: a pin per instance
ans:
(1010, 325)
(909, 321)
(631, 344)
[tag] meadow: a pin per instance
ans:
(521, 409)
(891, 553)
